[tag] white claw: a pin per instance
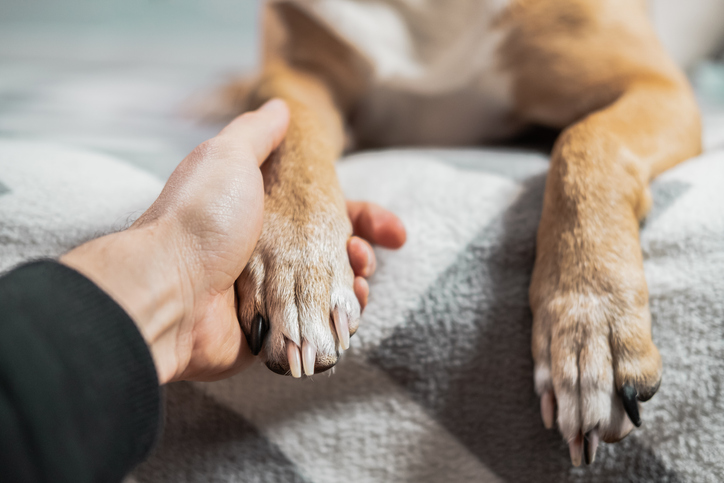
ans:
(548, 409)
(309, 356)
(575, 447)
(341, 323)
(295, 360)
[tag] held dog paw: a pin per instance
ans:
(592, 348)
(297, 306)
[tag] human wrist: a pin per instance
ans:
(139, 269)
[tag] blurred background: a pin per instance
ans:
(116, 76)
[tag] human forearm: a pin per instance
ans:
(79, 399)
(139, 269)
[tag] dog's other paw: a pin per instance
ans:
(297, 306)
(591, 342)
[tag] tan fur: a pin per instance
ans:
(593, 68)
(630, 115)
(299, 271)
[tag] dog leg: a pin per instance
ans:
(296, 302)
(598, 70)
(592, 347)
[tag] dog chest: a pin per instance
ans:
(435, 74)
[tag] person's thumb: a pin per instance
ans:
(261, 130)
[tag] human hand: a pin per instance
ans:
(377, 225)
(174, 270)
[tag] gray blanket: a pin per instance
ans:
(437, 385)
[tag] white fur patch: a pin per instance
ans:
(378, 30)
(436, 78)
(542, 379)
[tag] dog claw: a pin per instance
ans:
(575, 448)
(590, 445)
(341, 324)
(630, 403)
(259, 328)
(295, 360)
(548, 409)
(309, 356)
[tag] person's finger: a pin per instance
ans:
(223, 360)
(243, 360)
(361, 257)
(261, 130)
(376, 224)
(361, 291)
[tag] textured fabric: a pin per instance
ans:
(57, 197)
(438, 384)
(79, 396)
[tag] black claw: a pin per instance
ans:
(586, 455)
(259, 328)
(630, 403)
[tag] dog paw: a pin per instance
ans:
(592, 348)
(297, 306)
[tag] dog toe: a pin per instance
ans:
(297, 307)
(588, 385)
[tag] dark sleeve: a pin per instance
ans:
(79, 394)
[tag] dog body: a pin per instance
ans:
(434, 77)
(435, 72)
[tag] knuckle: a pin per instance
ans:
(210, 148)
(224, 147)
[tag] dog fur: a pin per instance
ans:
(419, 72)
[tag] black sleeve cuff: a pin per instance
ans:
(79, 394)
